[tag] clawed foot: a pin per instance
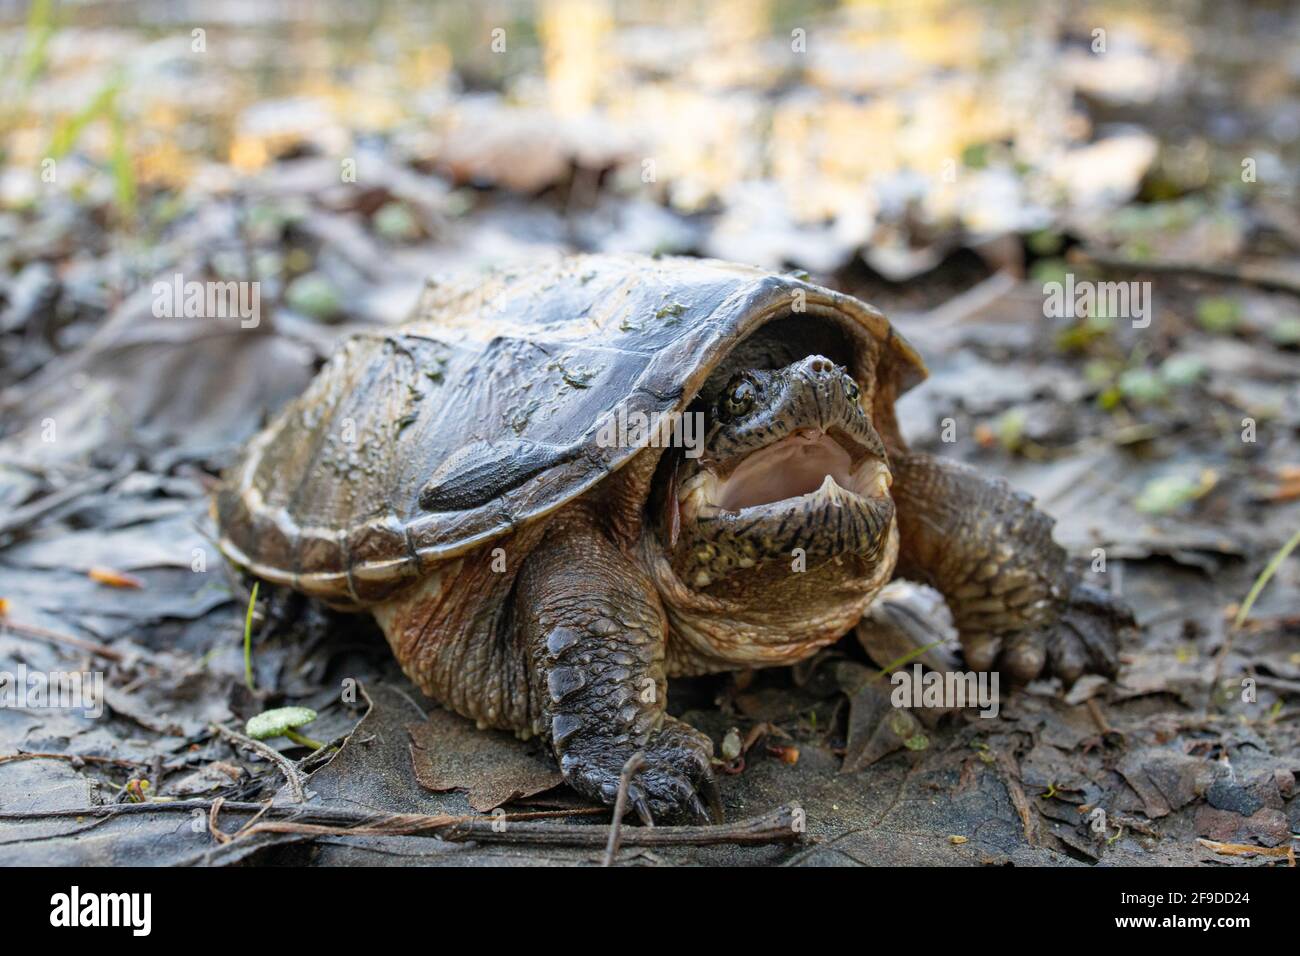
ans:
(675, 778)
(1084, 638)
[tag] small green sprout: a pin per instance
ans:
(1167, 493)
(1142, 386)
(1219, 314)
(395, 222)
(314, 295)
(282, 722)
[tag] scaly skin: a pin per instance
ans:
(595, 633)
(989, 551)
(600, 602)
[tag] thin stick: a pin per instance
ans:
(1010, 774)
(634, 763)
(1098, 718)
(73, 758)
(217, 833)
(327, 814)
(31, 630)
(777, 826)
(291, 774)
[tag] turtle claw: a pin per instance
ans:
(675, 773)
(698, 810)
(713, 795)
(1084, 638)
(641, 804)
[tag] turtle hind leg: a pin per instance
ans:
(595, 635)
(989, 551)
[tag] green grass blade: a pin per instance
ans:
(40, 29)
(124, 191)
(1270, 569)
(907, 658)
(69, 131)
(248, 638)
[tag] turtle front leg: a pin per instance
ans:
(595, 633)
(990, 552)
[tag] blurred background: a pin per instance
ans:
(945, 160)
(866, 141)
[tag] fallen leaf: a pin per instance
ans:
(876, 727)
(115, 579)
(450, 753)
(1246, 849)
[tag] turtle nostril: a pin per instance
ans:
(820, 366)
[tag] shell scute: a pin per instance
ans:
(418, 444)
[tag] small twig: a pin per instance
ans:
(220, 835)
(1098, 718)
(73, 758)
(1010, 774)
(291, 773)
(778, 826)
(634, 763)
(31, 630)
(775, 827)
(217, 833)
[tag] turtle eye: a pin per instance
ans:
(851, 389)
(738, 398)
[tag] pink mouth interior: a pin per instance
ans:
(793, 466)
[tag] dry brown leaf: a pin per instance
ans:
(449, 753)
(1247, 849)
(115, 579)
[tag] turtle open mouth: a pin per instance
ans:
(824, 467)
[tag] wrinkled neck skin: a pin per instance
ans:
(773, 540)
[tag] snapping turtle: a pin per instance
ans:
(556, 488)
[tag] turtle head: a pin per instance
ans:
(791, 474)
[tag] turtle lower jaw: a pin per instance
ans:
(830, 522)
(804, 498)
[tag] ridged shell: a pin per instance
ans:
(417, 444)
